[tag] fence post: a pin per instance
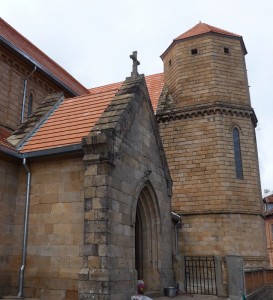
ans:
(236, 279)
(220, 288)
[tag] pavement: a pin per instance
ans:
(191, 297)
(178, 297)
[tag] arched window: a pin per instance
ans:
(237, 154)
(30, 103)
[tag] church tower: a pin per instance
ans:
(207, 126)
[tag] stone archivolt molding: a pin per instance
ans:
(207, 110)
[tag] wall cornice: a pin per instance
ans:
(207, 110)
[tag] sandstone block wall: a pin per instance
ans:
(210, 75)
(225, 234)
(8, 186)
(55, 229)
(206, 192)
(200, 154)
(205, 97)
(13, 73)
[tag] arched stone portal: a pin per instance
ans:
(147, 239)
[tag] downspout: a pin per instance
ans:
(176, 218)
(24, 246)
(24, 95)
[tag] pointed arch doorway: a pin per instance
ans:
(147, 237)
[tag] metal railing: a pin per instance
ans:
(200, 275)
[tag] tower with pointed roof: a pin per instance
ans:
(207, 126)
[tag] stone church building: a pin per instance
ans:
(101, 187)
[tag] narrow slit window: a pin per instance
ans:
(30, 103)
(237, 154)
(194, 51)
(226, 50)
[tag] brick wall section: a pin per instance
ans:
(121, 148)
(13, 73)
(55, 229)
(209, 76)
(8, 186)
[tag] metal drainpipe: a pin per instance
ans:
(24, 94)
(176, 236)
(178, 224)
(24, 246)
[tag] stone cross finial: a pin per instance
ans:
(134, 72)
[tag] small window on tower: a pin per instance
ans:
(170, 63)
(226, 50)
(194, 51)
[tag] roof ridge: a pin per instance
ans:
(202, 28)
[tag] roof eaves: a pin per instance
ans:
(9, 152)
(175, 41)
(43, 70)
(54, 151)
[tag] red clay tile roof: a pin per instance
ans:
(75, 117)
(202, 28)
(24, 45)
(268, 199)
(4, 134)
(155, 85)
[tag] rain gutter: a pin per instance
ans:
(77, 148)
(53, 151)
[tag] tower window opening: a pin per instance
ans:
(226, 50)
(170, 63)
(237, 154)
(194, 51)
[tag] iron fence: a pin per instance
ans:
(200, 275)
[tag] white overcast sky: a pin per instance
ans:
(92, 40)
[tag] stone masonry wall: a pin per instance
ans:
(208, 76)
(55, 229)
(8, 186)
(13, 73)
(200, 154)
(224, 234)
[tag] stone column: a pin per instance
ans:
(94, 278)
(236, 278)
(221, 291)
